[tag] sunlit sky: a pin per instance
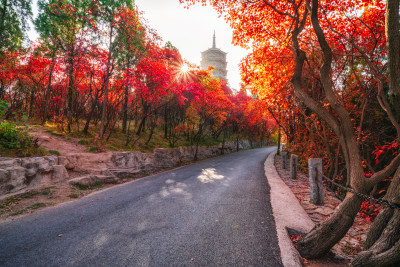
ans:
(189, 30)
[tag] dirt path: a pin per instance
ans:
(50, 141)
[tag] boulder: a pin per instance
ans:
(187, 153)
(134, 160)
(59, 173)
(9, 162)
(4, 176)
(16, 181)
(65, 162)
(167, 158)
(39, 164)
(89, 162)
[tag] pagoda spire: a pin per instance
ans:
(214, 46)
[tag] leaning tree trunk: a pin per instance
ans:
(324, 236)
(383, 240)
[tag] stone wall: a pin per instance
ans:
(20, 174)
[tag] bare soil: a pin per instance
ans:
(51, 141)
(354, 240)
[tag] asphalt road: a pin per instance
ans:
(215, 212)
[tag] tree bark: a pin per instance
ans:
(393, 47)
(324, 236)
(105, 86)
(70, 88)
(279, 141)
(89, 118)
(48, 91)
(125, 110)
(31, 102)
(3, 19)
(165, 122)
(383, 240)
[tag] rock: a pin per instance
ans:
(187, 153)
(133, 160)
(59, 173)
(62, 160)
(40, 179)
(16, 181)
(167, 158)
(69, 162)
(41, 164)
(208, 152)
(91, 180)
(4, 176)
(89, 162)
(30, 173)
(72, 160)
(8, 162)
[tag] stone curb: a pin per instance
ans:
(288, 213)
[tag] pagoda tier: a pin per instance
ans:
(217, 58)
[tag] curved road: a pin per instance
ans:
(215, 212)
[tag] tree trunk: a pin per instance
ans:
(197, 149)
(153, 126)
(165, 122)
(223, 143)
(393, 45)
(141, 126)
(48, 91)
(1, 90)
(324, 236)
(143, 121)
(70, 89)
(2, 22)
(31, 101)
(383, 240)
(89, 118)
(128, 133)
(105, 86)
(125, 110)
(279, 141)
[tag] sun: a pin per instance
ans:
(184, 68)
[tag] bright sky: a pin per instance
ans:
(189, 30)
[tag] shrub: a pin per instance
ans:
(11, 137)
(54, 152)
(83, 142)
(3, 107)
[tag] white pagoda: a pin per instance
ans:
(214, 57)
